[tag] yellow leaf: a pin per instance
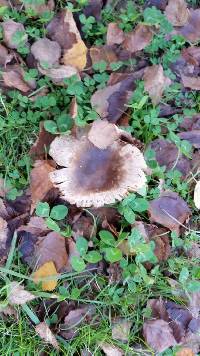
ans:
(48, 269)
(76, 56)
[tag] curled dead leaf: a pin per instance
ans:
(155, 82)
(177, 12)
(48, 273)
(58, 74)
(191, 82)
(192, 136)
(46, 334)
(17, 295)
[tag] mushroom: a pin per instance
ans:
(99, 168)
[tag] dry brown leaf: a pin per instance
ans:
(40, 183)
(40, 147)
(47, 270)
(185, 352)
(73, 108)
(5, 57)
(46, 334)
(58, 74)
(51, 248)
(138, 39)
(191, 82)
(110, 102)
(46, 51)
(197, 195)
(17, 295)
(168, 155)
(13, 77)
(169, 210)
(102, 133)
(10, 28)
(177, 12)
(155, 82)
(121, 329)
(191, 30)
(111, 350)
(62, 29)
(158, 334)
(114, 34)
(103, 53)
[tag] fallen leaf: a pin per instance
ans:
(191, 30)
(158, 334)
(62, 29)
(167, 154)
(46, 51)
(5, 57)
(40, 147)
(114, 34)
(121, 329)
(40, 183)
(155, 82)
(51, 248)
(191, 82)
(10, 28)
(58, 74)
(192, 136)
(102, 133)
(76, 56)
(185, 352)
(169, 210)
(73, 108)
(111, 350)
(177, 12)
(47, 270)
(138, 39)
(13, 77)
(110, 102)
(103, 53)
(193, 251)
(46, 334)
(74, 320)
(17, 295)
(197, 195)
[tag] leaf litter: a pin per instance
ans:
(99, 174)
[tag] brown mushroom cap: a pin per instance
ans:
(93, 176)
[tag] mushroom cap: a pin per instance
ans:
(93, 176)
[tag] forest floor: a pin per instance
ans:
(99, 177)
